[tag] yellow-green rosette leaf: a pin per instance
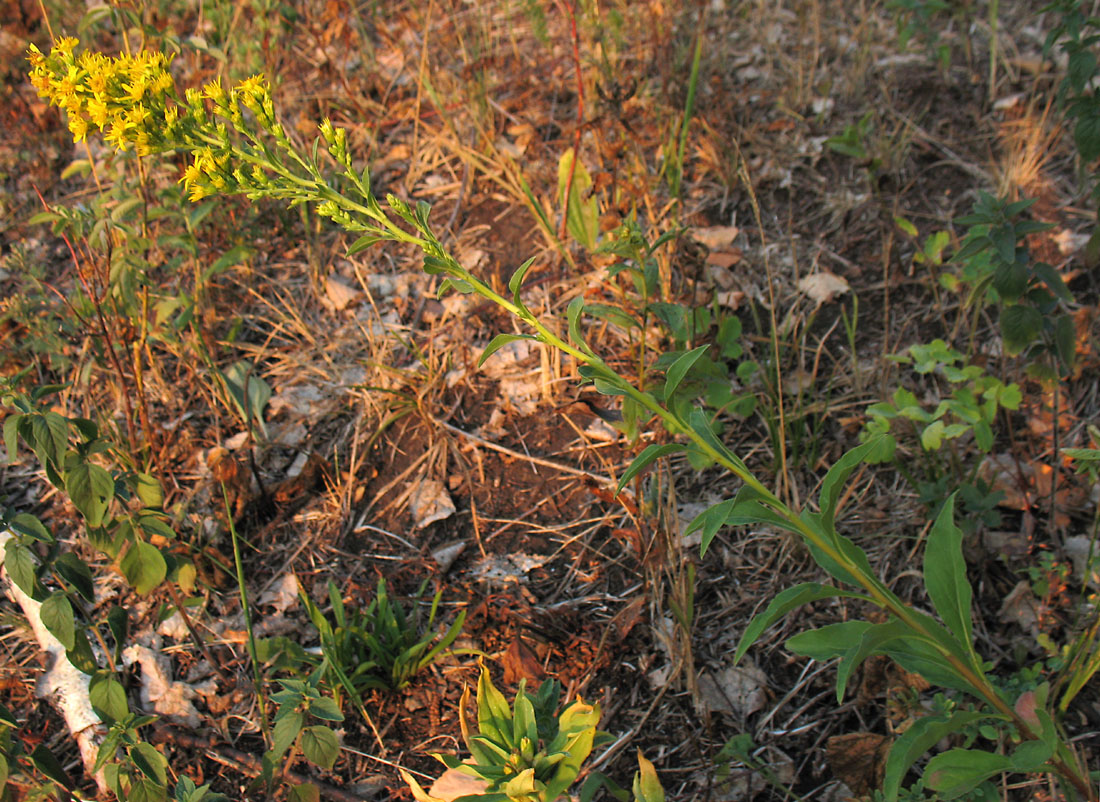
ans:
(647, 788)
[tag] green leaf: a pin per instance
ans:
(249, 392)
(931, 437)
(1086, 135)
(1053, 279)
(573, 314)
(3, 773)
(306, 792)
(782, 604)
(1010, 280)
(710, 521)
(493, 714)
(647, 787)
(148, 490)
(287, 726)
(325, 709)
(76, 572)
(872, 642)
(827, 642)
(499, 342)
(1020, 326)
(945, 574)
(957, 771)
(320, 746)
(24, 523)
(57, 616)
(650, 454)
(679, 369)
(107, 696)
(583, 213)
(81, 655)
(20, 563)
(613, 315)
(922, 735)
(143, 566)
(363, 243)
(515, 283)
(151, 762)
(49, 765)
(11, 435)
(837, 475)
(91, 489)
(1065, 341)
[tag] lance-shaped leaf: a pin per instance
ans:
(957, 771)
(649, 454)
(833, 483)
(499, 342)
(828, 642)
(782, 604)
(515, 283)
(922, 735)
(945, 574)
(679, 369)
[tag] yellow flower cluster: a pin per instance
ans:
(128, 98)
(133, 101)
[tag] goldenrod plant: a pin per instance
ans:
(237, 146)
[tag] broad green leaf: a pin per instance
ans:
(499, 342)
(81, 655)
(3, 773)
(1010, 280)
(957, 771)
(647, 788)
(1086, 135)
(306, 792)
(922, 735)
(931, 437)
(143, 566)
(107, 696)
(320, 746)
(91, 489)
(20, 563)
(76, 572)
(1053, 279)
(286, 729)
(649, 454)
(26, 524)
(57, 616)
(49, 765)
(11, 435)
(679, 369)
(828, 642)
(1021, 325)
(150, 761)
(1031, 756)
(781, 605)
(325, 709)
(1065, 341)
(148, 490)
(945, 574)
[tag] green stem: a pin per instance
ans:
(257, 679)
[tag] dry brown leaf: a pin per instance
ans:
(824, 286)
(520, 663)
(715, 237)
(858, 760)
